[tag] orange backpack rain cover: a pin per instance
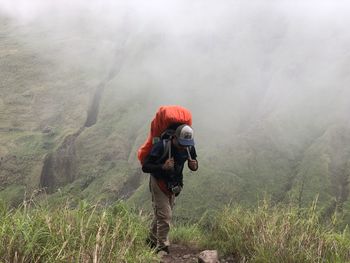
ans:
(165, 116)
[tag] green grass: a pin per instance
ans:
(91, 233)
(85, 234)
(270, 234)
(13, 195)
(187, 234)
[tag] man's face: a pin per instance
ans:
(178, 146)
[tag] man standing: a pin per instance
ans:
(165, 163)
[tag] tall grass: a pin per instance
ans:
(277, 234)
(268, 233)
(85, 234)
(189, 235)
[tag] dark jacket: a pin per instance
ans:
(154, 162)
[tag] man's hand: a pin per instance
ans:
(169, 164)
(193, 165)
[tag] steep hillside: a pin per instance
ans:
(76, 104)
(35, 115)
(64, 123)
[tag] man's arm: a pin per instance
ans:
(192, 162)
(151, 163)
(192, 165)
(151, 166)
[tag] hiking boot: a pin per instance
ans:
(151, 243)
(162, 250)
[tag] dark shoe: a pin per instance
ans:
(162, 250)
(151, 243)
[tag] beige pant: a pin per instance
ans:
(162, 207)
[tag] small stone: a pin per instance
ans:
(186, 256)
(208, 256)
(48, 130)
(162, 253)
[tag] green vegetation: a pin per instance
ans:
(271, 234)
(292, 147)
(13, 195)
(187, 234)
(85, 234)
(291, 150)
(267, 233)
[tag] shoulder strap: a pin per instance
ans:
(167, 150)
(188, 149)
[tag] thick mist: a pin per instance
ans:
(234, 64)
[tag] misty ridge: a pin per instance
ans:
(266, 82)
(233, 63)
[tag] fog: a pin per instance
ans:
(233, 63)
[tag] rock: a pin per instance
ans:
(208, 256)
(162, 253)
(186, 256)
(48, 130)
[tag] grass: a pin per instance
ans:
(85, 234)
(270, 234)
(90, 233)
(189, 235)
(13, 195)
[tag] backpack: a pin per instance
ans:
(163, 126)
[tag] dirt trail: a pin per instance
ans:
(184, 254)
(181, 254)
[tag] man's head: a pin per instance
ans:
(184, 135)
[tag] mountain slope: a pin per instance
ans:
(75, 108)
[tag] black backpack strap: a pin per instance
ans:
(167, 134)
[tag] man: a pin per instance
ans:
(165, 163)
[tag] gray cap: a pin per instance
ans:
(184, 135)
